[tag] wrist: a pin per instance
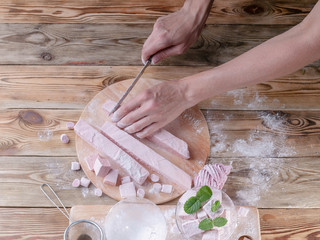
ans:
(199, 9)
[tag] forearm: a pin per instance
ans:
(199, 9)
(277, 57)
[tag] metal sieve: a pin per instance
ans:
(77, 230)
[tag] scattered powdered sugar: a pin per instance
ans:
(45, 135)
(195, 123)
(172, 229)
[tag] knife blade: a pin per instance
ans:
(148, 62)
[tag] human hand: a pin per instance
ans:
(175, 33)
(152, 109)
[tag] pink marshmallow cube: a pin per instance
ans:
(90, 160)
(156, 187)
(140, 193)
(207, 209)
(102, 167)
(112, 177)
(188, 194)
(127, 190)
(98, 192)
(64, 138)
(85, 182)
(201, 215)
(154, 178)
(166, 188)
(191, 228)
(70, 125)
(76, 183)
(211, 235)
(125, 180)
(243, 211)
(75, 166)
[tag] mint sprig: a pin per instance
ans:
(208, 223)
(192, 205)
(204, 194)
(215, 206)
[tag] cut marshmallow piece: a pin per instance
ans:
(211, 235)
(243, 211)
(188, 194)
(127, 190)
(154, 178)
(107, 148)
(201, 215)
(75, 166)
(76, 183)
(90, 160)
(140, 193)
(191, 228)
(156, 187)
(85, 182)
(125, 180)
(112, 177)
(207, 209)
(166, 188)
(102, 166)
(98, 192)
(64, 138)
(70, 125)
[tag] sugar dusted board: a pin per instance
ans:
(247, 226)
(190, 126)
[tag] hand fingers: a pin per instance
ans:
(139, 125)
(168, 52)
(152, 128)
(126, 108)
(133, 116)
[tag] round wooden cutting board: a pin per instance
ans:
(190, 126)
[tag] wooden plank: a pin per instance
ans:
(49, 223)
(233, 133)
(99, 44)
(137, 11)
(74, 86)
(262, 182)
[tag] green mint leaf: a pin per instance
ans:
(220, 221)
(204, 194)
(206, 224)
(192, 205)
(215, 206)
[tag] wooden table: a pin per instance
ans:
(56, 55)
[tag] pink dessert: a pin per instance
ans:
(147, 156)
(76, 183)
(112, 177)
(102, 166)
(191, 228)
(90, 160)
(85, 182)
(98, 192)
(166, 188)
(70, 125)
(127, 190)
(75, 166)
(140, 193)
(108, 149)
(163, 138)
(64, 138)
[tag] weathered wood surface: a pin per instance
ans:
(99, 44)
(137, 11)
(233, 133)
(49, 224)
(285, 183)
(72, 87)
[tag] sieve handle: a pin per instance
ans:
(65, 212)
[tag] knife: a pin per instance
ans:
(148, 62)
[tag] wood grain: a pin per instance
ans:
(137, 11)
(262, 182)
(99, 44)
(67, 87)
(49, 223)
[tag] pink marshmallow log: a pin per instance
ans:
(127, 190)
(140, 193)
(102, 167)
(90, 160)
(70, 125)
(98, 192)
(64, 138)
(166, 188)
(154, 178)
(125, 180)
(85, 182)
(76, 183)
(112, 177)
(75, 166)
